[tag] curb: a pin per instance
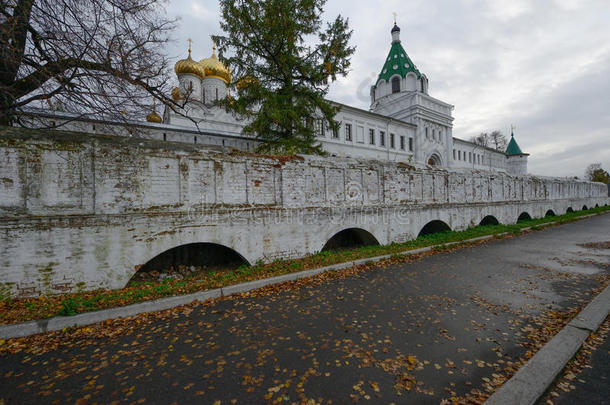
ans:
(88, 318)
(533, 378)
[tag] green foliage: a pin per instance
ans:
(69, 307)
(283, 59)
(595, 172)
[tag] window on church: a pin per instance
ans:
(434, 135)
(402, 142)
(309, 124)
(396, 85)
(195, 139)
(372, 136)
(426, 130)
(216, 94)
(335, 133)
(392, 142)
(454, 154)
(381, 138)
(459, 155)
(410, 144)
(469, 157)
(348, 132)
(321, 126)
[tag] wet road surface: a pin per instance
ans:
(419, 331)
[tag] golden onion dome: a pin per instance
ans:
(188, 65)
(214, 68)
(153, 116)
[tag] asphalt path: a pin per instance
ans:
(414, 332)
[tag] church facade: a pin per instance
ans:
(403, 124)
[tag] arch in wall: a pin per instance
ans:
(489, 220)
(584, 207)
(435, 226)
(411, 82)
(596, 205)
(569, 210)
(194, 254)
(524, 216)
(395, 84)
(434, 160)
(549, 213)
(350, 238)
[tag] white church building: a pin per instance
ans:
(404, 123)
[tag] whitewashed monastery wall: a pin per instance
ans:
(83, 211)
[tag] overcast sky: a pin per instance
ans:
(542, 65)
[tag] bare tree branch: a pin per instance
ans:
(91, 56)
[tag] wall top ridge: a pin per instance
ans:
(17, 138)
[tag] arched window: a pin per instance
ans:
(396, 85)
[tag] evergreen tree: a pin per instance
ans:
(283, 60)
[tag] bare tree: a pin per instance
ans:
(495, 140)
(498, 141)
(85, 56)
(482, 139)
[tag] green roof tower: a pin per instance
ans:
(397, 62)
(515, 158)
(513, 148)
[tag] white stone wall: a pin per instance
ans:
(220, 128)
(214, 89)
(431, 116)
(191, 86)
(82, 211)
(360, 145)
(471, 156)
(517, 164)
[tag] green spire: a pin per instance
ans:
(513, 148)
(397, 62)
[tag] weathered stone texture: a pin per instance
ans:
(81, 211)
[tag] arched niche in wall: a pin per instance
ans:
(350, 238)
(434, 160)
(411, 84)
(210, 256)
(395, 84)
